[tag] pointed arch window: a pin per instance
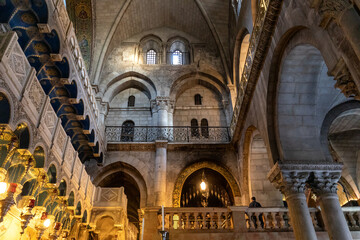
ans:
(197, 99)
(194, 128)
(151, 57)
(127, 131)
(204, 128)
(177, 58)
(131, 101)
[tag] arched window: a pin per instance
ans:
(177, 58)
(131, 101)
(151, 57)
(127, 131)
(194, 128)
(204, 128)
(197, 98)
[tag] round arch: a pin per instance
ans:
(205, 164)
(296, 36)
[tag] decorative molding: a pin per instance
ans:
(149, 147)
(330, 9)
(344, 80)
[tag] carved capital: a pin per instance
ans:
(330, 9)
(324, 182)
(162, 103)
(288, 182)
(291, 177)
(344, 80)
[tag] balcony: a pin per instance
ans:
(236, 222)
(142, 134)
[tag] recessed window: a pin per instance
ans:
(127, 131)
(177, 58)
(204, 128)
(151, 57)
(194, 128)
(131, 101)
(197, 98)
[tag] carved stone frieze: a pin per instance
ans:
(344, 80)
(36, 94)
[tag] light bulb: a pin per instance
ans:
(3, 187)
(203, 185)
(47, 223)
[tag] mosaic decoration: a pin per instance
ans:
(80, 13)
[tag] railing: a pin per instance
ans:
(244, 219)
(197, 218)
(275, 219)
(352, 216)
(172, 134)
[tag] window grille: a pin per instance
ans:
(151, 57)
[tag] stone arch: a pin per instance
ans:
(130, 80)
(128, 169)
(256, 165)
(40, 156)
(185, 173)
(295, 40)
(186, 81)
(240, 51)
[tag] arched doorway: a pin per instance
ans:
(215, 192)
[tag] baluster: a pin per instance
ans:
(181, 222)
(287, 219)
(227, 223)
(282, 216)
(187, 221)
(204, 221)
(268, 220)
(274, 220)
(251, 222)
(211, 221)
(356, 218)
(219, 220)
(171, 219)
(350, 219)
(197, 220)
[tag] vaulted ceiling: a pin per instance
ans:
(116, 21)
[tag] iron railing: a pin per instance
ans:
(116, 134)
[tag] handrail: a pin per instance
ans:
(201, 134)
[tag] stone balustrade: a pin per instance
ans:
(275, 219)
(352, 216)
(197, 219)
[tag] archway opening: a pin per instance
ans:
(131, 189)
(216, 189)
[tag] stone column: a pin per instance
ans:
(290, 181)
(160, 172)
(324, 185)
(161, 106)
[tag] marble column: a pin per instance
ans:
(324, 185)
(291, 182)
(160, 172)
